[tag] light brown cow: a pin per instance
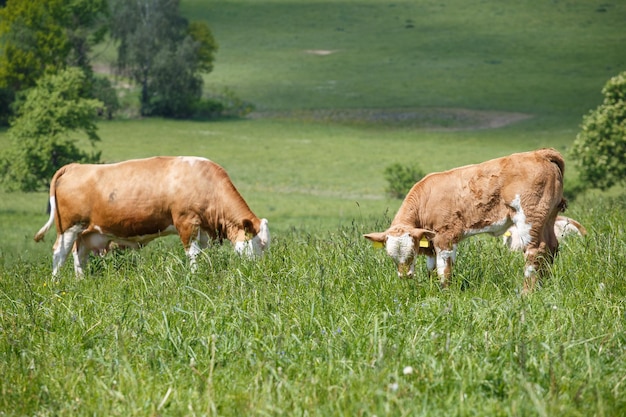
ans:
(131, 203)
(523, 189)
(563, 226)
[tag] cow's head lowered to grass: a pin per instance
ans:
(403, 244)
(252, 245)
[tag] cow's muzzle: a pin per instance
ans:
(405, 271)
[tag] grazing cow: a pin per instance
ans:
(563, 226)
(523, 189)
(128, 204)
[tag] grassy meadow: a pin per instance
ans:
(322, 326)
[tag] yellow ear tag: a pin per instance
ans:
(507, 233)
(378, 245)
(424, 242)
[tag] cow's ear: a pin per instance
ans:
(248, 228)
(422, 237)
(378, 238)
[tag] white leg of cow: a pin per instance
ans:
(445, 260)
(530, 270)
(62, 247)
(192, 253)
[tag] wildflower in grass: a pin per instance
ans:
(393, 387)
(408, 370)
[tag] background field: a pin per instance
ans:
(322, 326)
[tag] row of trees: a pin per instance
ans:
(49, 90)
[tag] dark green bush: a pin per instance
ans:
(401, 178)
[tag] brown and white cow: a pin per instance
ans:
(563, 227)
(130, 203)
(523, 189)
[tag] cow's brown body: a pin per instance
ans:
(524, 189)
(133, 202)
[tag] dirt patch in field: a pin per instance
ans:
(448, 119)
(321, 52)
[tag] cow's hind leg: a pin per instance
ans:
(539, 254)
(63, 246)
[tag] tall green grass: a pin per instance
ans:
(321, 326)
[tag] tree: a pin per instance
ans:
(163, 53)
(400, 179)
(40, 135)
(42, 37)
(599, 150)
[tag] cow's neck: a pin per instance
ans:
(233, 227)
(408, 214)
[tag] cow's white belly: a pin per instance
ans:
(495, 229)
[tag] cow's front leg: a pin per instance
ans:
(193, 239)
(445, 261)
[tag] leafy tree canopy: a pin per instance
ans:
(400, 179)
(599, 150)
(40, 135)
(163, 53)
(44, 36)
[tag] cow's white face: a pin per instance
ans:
(401, 249)
(257, 245)
(403, 244)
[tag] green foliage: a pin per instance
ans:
(163, 53)
(7, 96)
(207, 45)
(103, 90)
(46, 36)
(400, 178)
(174, 87)
(600, 148)
(40, 135)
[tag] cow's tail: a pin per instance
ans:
(52, 206)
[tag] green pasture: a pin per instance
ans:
(545, 58)
(322, 326)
